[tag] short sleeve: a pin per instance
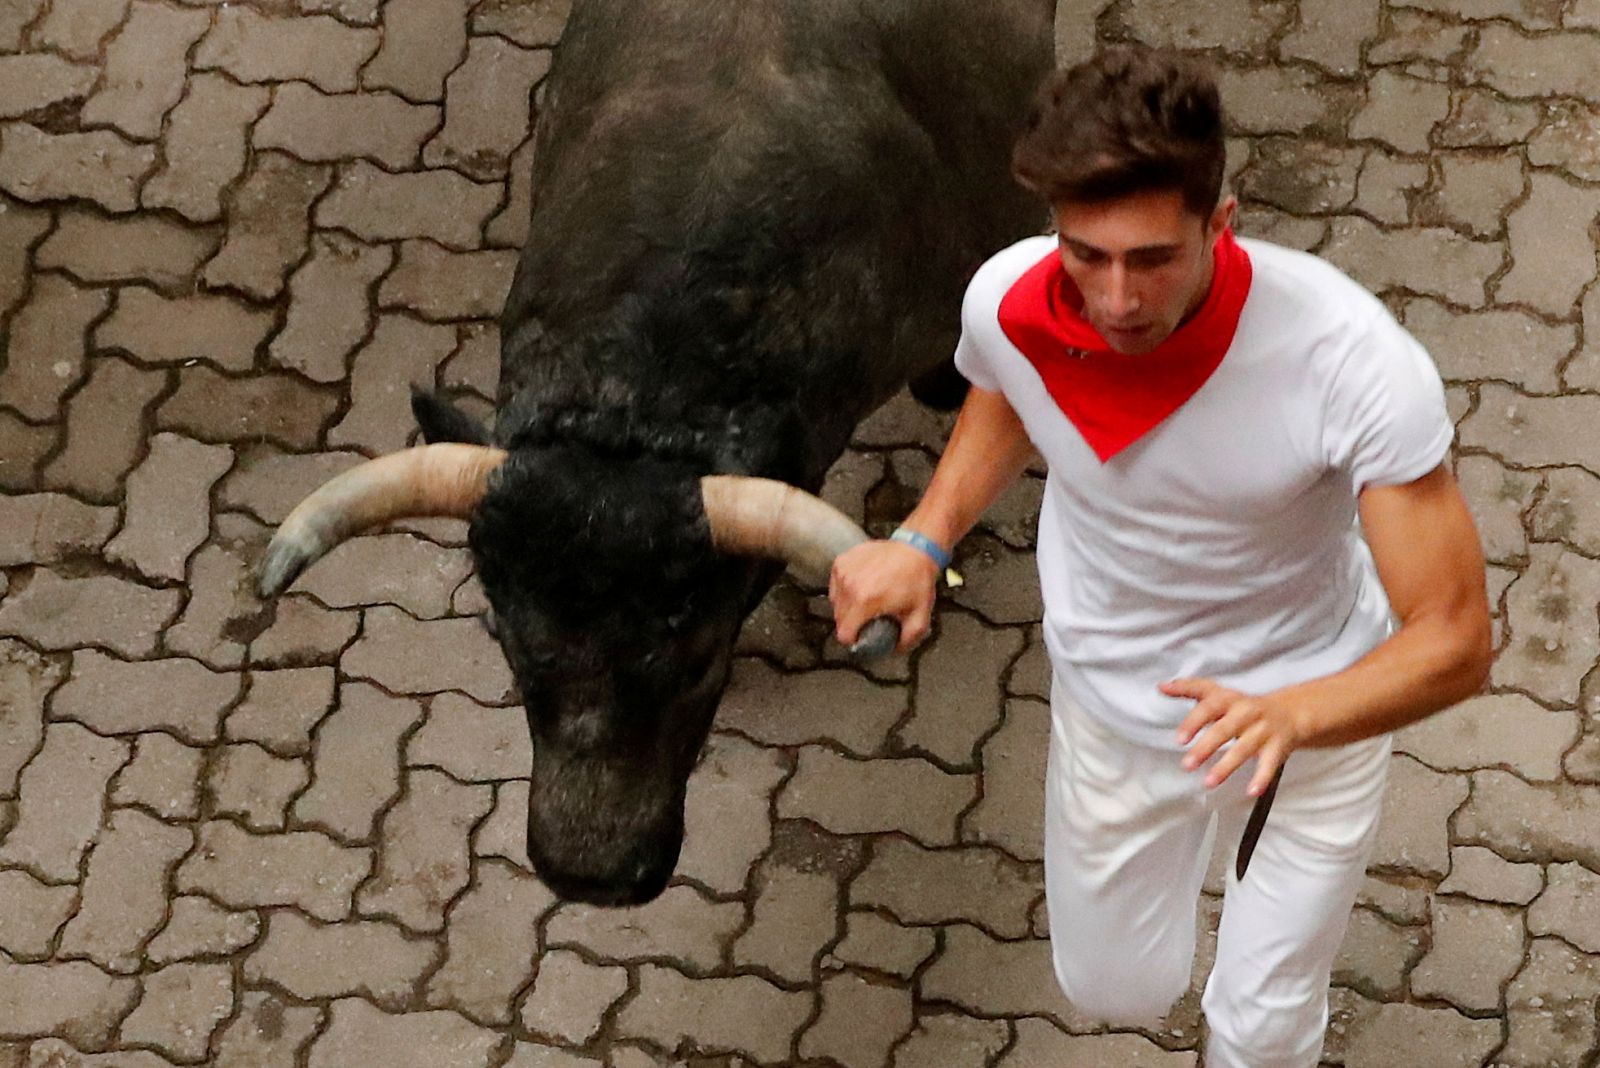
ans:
(971, 359)
(1386, 422)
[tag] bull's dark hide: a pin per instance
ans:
(752, 223)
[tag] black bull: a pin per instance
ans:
(752, 223)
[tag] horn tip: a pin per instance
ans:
(282, 564)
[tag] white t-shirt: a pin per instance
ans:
(1225, 542)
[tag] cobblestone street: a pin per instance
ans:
(289, 835)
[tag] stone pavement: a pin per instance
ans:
(270, 836)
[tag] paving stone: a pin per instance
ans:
(870, 941)
(317, 127)
(1401, 111)
(958, 677)
(1039, 1045)
(1551, 1007)
(33, 914)
(54, 1053)
(1569, 511)
(278, 408)
(328, 306)
(268, 225)
(485, 119)
(860, 1021)
(374, 959)
(1531, 15)
(726, 812)
(411, 656)
(281, 708)
(361, 1034)
(1429, 260)
(144, 69)
(137, 248)
(76, 27)
(26, 680)
(247, 781)
(509, 229)
(570, 997)
(1386, 186)
(267, 1033)
(416, 575)
(21, 448)
(1432, 1038)
(922, 886)
(47, 528)
(402, 353)
(222, 610)
(183, 1005)
(781, 629)
(1498, 498)
(492, 947)
(475, 365)
(991, 978)
(835, 706)
(207, 141)
(169, 508)
(1301, 176)
(436, 204)
(356, 764)
(1568, 139)
(76, 1001)
(1519, 821)
(34, 82)
(1569, 907)
(360, 12)
(303, 868)
(441, 285)
(1231, 24)
(269, 483)
(1483, 874)
(1483, 119)
(124, 894)
(1477, 948)
(680, 925)
(103, 431)
(1550, 611)
(163, 776)
(1532, 431)
(177, 695)
(505, 833)
(14, 18)
(1331, 33)
(47, 345)
(423, 41)
(793, 916)
(1553, 256)
(1412, 829)
(1376, 955)
(1518, 65)
(951, 1041)
(471, 742)
(1495, 343)
(1493, 730)
(741, 1015)
(304, 633)
(65, 613)
(1267, 100)
(1010, 813)
(155, 329)
(1583, 371)
(257, 48)
(865, 796)
(531, 1055)
(60, 794)
(530, 23)
(97, 165)
(1002, 584)
(424, 861)
(21, 227)
(1402, 899)
(1475, 192)
(198, 928)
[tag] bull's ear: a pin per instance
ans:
(442, 421)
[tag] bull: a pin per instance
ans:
(752, 223)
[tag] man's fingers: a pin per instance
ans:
(1195, 688)
(1244, 747)
(1211, 708)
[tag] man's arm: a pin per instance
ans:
(1428, 558)
(987, 450)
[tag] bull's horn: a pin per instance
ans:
(774, 520)
(430, 480)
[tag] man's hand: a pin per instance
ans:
(883, 578)
(1259, 727)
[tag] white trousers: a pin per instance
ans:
(1128, 836)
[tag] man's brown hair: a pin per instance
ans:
(1130, 120)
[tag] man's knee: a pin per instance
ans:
(1120, 994)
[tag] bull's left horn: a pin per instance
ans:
(776, 521)
(430, 480)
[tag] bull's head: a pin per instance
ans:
(617, 595)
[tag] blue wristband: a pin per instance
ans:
(923, 543)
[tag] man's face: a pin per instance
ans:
(1142, 263)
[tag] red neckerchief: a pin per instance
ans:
(1114, 399)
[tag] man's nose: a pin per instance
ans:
(1122, 298)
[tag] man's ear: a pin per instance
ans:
(442, 421)
(1222, 218)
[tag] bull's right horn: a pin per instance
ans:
(446, 479)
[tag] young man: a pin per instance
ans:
(1216, 415)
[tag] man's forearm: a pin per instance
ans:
(987, 450)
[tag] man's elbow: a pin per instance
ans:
(1474, 654)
